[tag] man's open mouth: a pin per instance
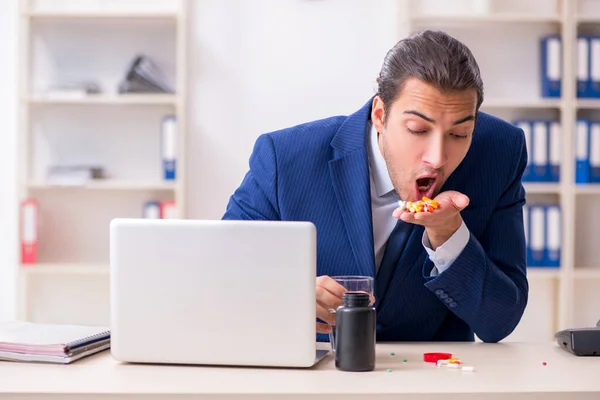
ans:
(425, 187)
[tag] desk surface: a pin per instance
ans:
(500, 369)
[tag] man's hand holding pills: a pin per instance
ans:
(440, 216)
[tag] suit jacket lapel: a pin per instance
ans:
(409, 259)
(350, 178)
(349, 171)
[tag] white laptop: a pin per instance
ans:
(213, 292)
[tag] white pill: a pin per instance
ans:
(453, 365)
(441, 363)
(467, 368)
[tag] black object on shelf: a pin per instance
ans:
(143, 76)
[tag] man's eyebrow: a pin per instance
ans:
(465, 119)
(426, 118)
(418, 114)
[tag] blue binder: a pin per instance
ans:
(551, 68)
(594, 152)
(526, 127)
(541, 164)
(537, 235)
(526, 225)
(584, 87)
(169, 147)
(555, 150)
(594, 66)
(582, 151)
(151, 210)
(553, 236)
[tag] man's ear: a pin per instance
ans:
(378, 114)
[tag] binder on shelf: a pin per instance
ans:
(537, 232)
(151, 210)
(553, 236)
(583, 67)
(168, 210)
(169, 147)
(144, 76)
(540, 151)
(582, 151)
(29, 230)
(594, 152)
(555, 153)
(551, 71)
(50, 343)
(526, 127)
(594, 77)
(527, 230)
(544, 150)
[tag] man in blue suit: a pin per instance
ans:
(441, 276)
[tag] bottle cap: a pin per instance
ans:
(434, 357)
(356, 299)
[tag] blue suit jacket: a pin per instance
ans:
(318, 172)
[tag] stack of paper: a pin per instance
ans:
(26, 341)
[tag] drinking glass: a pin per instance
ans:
(352, 283)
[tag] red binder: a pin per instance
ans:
(29, 231)
(168, 210)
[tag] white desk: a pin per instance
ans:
(502, 371)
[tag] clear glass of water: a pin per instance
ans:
(352, 283)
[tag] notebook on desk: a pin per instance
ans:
(54, 343)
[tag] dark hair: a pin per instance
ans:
(433, 57)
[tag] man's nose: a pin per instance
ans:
(435, 154)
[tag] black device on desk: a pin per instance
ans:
(580, 341)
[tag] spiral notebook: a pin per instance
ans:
(54, 343)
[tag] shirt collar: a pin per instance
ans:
(381, 177)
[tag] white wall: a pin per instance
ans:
(8, 131)
(274, 63)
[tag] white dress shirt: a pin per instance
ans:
(384, 200)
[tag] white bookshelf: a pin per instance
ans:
(121, 99)
(103, 14)
(504, 37)
(108, 184)
(93, 40)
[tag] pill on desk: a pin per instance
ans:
(452, 365)
(467, 368)
(441, 363)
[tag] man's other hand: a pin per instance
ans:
(329, 298)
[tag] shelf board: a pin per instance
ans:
(60, 15)
(591, 104)
(117, 99)
(543, 273)
(542, 187)
(490, 18)
(587, 273)
(64, 269)
(587, 19)
(520, 103)
(108, 184)
(587, 189)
